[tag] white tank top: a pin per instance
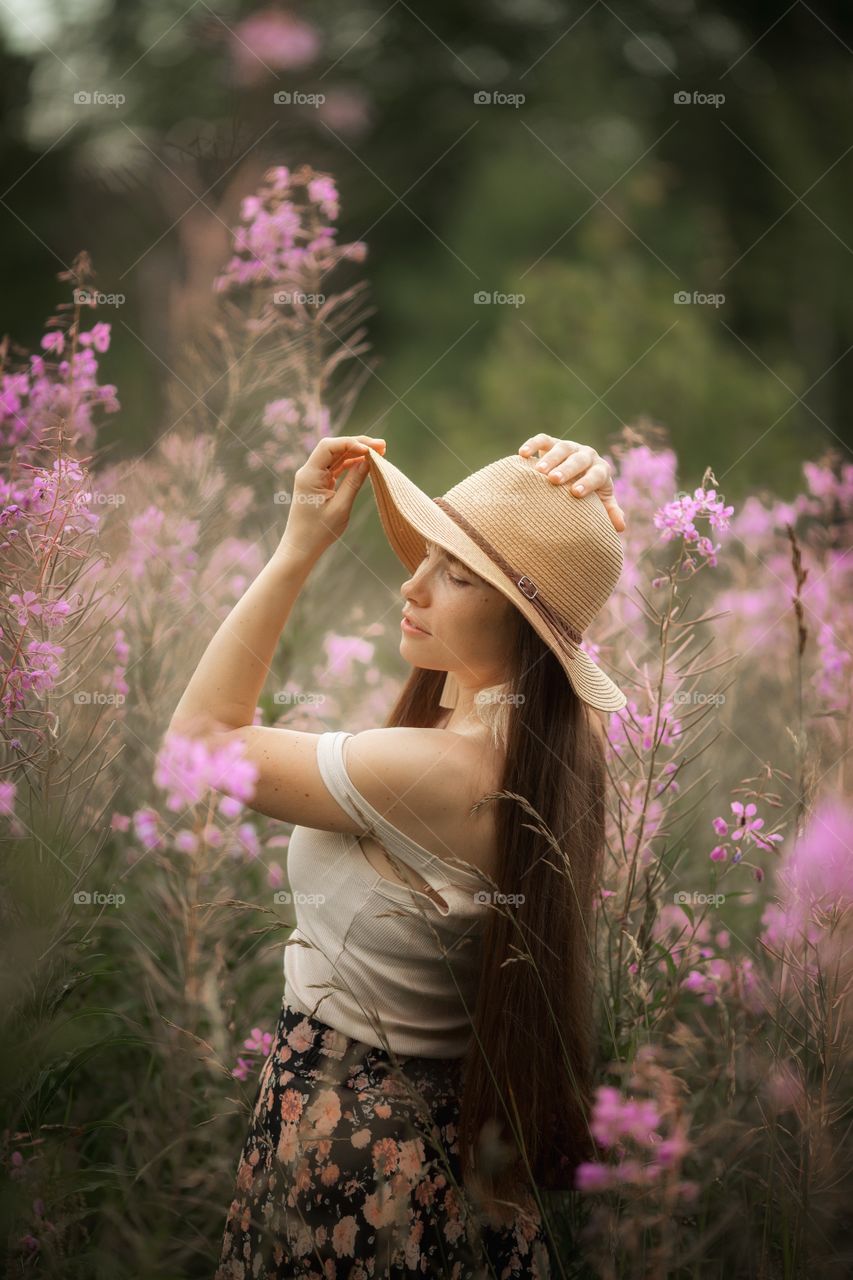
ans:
(373, 959)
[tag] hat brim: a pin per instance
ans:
(410, 518)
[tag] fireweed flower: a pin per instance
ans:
(145, 827)
(284, 233)
(677, 519)
(269, 39)
(98, 337)
(158, 541)
(614, 1121)
(629, 720)
(29, 606)
(259, 1042)
(7, 798)
(748, 830)
(60, 494)
(187, 768)
(815, 878)
(53, 341)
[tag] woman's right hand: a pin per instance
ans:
(583, 463)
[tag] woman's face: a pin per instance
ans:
(466, 621)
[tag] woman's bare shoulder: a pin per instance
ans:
(419, 777)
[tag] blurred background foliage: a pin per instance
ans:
(597, 198)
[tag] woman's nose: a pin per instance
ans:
(413, 584)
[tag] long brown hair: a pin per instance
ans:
(527, 1076)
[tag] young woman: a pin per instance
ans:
(430, 1069)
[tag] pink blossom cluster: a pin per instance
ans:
(271, 40)
(47, 513)
(815, 878)
(285, 234)
(34, 398)
(700, 949)
(632, 1127)
(28, 606)
(830, 490)
(646, 478)
(724, 978)
(677, 519)
(188, 768)
(8, 791)
(631, 722)
(162, 544)
(294, 425)
(259, 1042)
(51, 501)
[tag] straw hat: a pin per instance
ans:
(555, 556)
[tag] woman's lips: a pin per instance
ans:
(411, 628)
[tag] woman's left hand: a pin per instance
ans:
(319, 506)
(582, 463)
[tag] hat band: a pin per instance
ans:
(562, 628)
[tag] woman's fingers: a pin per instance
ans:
(577, 465)
(576, 457)
(537, 443)
(335, 454)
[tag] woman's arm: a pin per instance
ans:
(223, 693)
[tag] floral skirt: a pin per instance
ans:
(350, 1170)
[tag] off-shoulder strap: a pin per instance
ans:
(332, 766)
